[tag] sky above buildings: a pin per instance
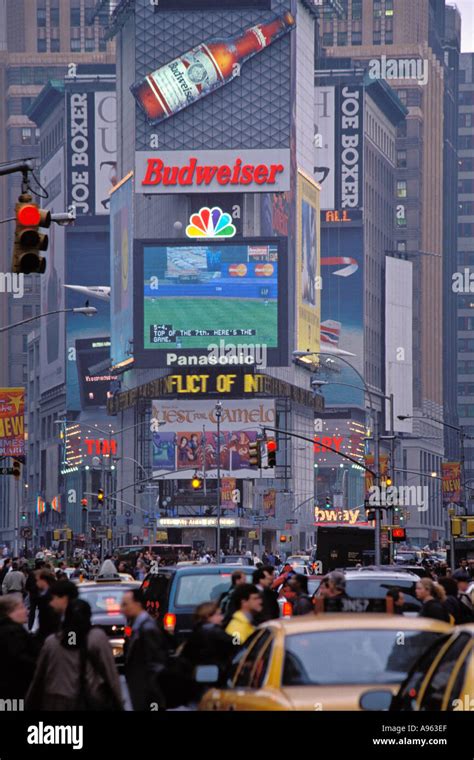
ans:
(466, 8)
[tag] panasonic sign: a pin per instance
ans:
(216, 171)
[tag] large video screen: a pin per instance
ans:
(196, 296)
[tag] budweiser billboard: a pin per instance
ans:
(451, 484)
(216, 171)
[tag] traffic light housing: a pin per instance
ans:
(100, 495)
(84, 505)
(456, 526)
(16, 469)
(29, 241)
(398, 535)
(255, 455)
(272, 448)
(470, 526)
(196, 483)
(23, 516)
(371, 514)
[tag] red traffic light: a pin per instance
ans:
(398, 534)
(28, 215)
(272, 446)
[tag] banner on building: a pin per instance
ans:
(451, 483)
(269, 503)
(228, 489)
(12, 422)
(383, 470)
(40, 505)
(308, 304)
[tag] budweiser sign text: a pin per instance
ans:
(223, 171)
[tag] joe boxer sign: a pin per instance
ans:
(216, 171)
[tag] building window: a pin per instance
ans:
(401, 246)
(389, 37)
(402, 129)
(465, 119)
(75, 17)
(356, 9)
(328, 39)
(465, 142)
(342, 38)
(41, 46)
(90, 44)
(402, 96)
(466, 97)
(466, 208)
(466, 229)
(356, 38)
(41, 12)
(389, 7)
(26, 135)
(54, 13)
(55, 45)
(377, 8)
(76, 45)
(401, 188)
(377, 38)
(401, 159)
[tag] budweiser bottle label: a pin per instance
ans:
(185, 80)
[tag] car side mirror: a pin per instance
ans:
(206, 674)
(376, 700)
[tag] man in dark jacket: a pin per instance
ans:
(48, 619)
(227, 600)
(302, 604)
(263, 580)
(463, 580)
(18, 649)
(146, 655)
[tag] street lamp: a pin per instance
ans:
(87, 311)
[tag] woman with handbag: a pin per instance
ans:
(76, 668)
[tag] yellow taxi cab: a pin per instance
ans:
(442, 679)
(324, 661)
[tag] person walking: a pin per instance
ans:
(248, 603)
(48, 618)
(18, 649)
(208, 644)
(76, 668)
(146, 654)
(452, 603)
(302, 603)
(227, 601)
(6, 567)
(432, 596)
(263, 580)
(463, 580)
(14, 581)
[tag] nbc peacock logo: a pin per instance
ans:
(211, 223)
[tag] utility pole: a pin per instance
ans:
(218, 451)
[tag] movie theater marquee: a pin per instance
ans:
(213, 171)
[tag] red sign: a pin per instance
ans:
(158, 173)
(327, 443)
(451, 483)
(100, 446)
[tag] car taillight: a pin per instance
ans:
(169, 622)
(128, 631)
(287, 609)
(146, 584)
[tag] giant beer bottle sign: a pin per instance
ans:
(210, 65)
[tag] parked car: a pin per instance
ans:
(172, 593)
(374, 584)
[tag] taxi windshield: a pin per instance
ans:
(352, 657)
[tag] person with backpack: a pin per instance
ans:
(76, 668)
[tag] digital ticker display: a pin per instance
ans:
(197, 298)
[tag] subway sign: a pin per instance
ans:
(214, 171)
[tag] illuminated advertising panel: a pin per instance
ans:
(87, 340)
(210, 303)
(342, 309)
(121, 268)
(186, 440)
(308, 303)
